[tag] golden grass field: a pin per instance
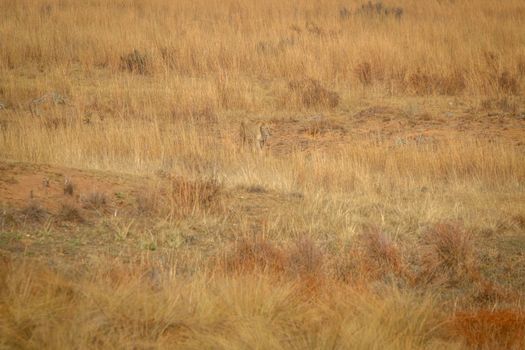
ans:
(385, 211)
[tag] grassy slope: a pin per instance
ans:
(387, 210)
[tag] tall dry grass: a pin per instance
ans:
(346, 246)
(122, 306)
(233, 49)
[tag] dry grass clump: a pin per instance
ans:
(382, 255)
(363, 72)
(490, 293)
(519, 220)
(311, 94)
(187, 197)
(372, 256)
(508, 83)
(423, 83)
(300, 258)
(8, 217)
(447, 253)
(378, 9)
(33, 212)
(490, 329)
(111, 306)
(55, 123)
(249, 255)
(135, 62)
(307, 262)
(71, 213)
(306, 258)
(301, 261)
(95, 200)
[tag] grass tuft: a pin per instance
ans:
(70, 213)
(34, 212)
(135, 62)
(95, 200)
(312, 94)
(249, 255)
(490, 329)
(447, 249)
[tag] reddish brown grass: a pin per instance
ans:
(490, 329)
(447, 250)
(250, 255)
(305, 258)
(381, 256)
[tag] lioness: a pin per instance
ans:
(254, 135)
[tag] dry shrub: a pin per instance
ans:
(250, 255)
(135, 62)
(70, 213)
(95, 200)
(447, 251)
(191, 196)
(490, 329)
(312, 94)
(34, 212)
